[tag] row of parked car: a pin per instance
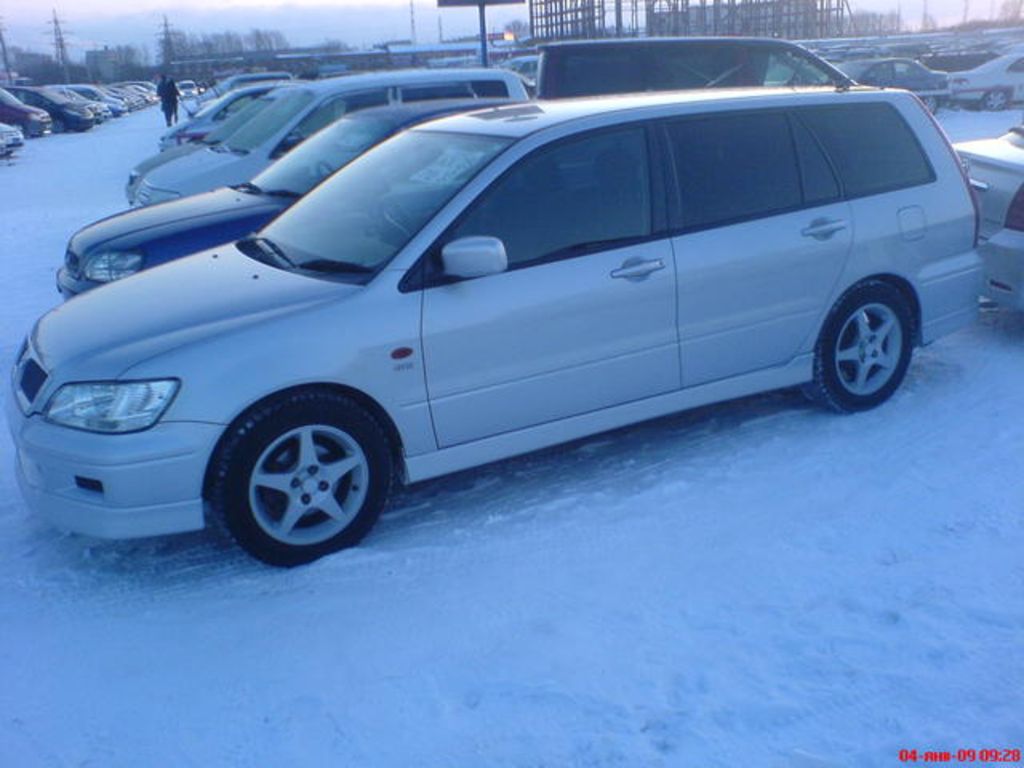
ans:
(38, 111)
(401, 275)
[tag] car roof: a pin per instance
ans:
(401, 77)
(670, 41)
(523, 118)
(417, 111)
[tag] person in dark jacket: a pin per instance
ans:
(169, 94)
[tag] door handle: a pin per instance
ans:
(823, 229)
(637, 269)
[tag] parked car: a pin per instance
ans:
(996, 168)
(99, 111)
(246, 78)
(300, 110)
(6, 150)
(992, 86)
(491, 284)
(212, 114)
(525, 67)
(214, 138)
(34, 122)
(930, 86)
(66, 114)
(116, 106)
(132, 98)
(188, 89)
(129, 242)
(12, 136)
(596, 67)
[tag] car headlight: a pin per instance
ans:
(111, 406)
(112, 265)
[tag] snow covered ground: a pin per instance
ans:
(752, 584)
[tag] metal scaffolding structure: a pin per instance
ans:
(791, 19)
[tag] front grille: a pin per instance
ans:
(32, 379)
(72, 263)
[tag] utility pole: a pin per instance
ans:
(60, 48)
(166, 44)
(3, 51)
(966, 9)
(412, 23)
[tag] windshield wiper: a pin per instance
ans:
(333, 265)
(263, 249)
(281, 193)
(249, 187)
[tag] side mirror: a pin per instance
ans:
(477, 256)
(288, 143)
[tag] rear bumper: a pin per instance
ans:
(1003, 256)
(948, 291)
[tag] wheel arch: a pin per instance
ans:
(902, 284)
(374, 408)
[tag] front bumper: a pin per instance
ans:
(1003, 255)
(113, 486)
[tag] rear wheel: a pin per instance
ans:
(864, 349)
(995, 101)
(301, 476)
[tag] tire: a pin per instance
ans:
(300, 476)
(995, 101)
(864, 348)
(58, 126)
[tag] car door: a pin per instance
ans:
(583, 318)
(763, 236)
(881, 74)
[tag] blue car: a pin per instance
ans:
(129, 242)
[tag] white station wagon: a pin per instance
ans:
(490, 284)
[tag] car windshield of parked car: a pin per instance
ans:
(269, 122)
(9, 100)
(55, 96)
(360, 218)
(237, 120)
(323, 153)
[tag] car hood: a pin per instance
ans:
(102, 333)
(205, 210)
(167, 156)
(200, 171)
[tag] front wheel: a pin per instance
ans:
(864, 349)
(301, 476)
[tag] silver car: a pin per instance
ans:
(997, 175)
(491, 284)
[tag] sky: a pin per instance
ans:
(94, 23)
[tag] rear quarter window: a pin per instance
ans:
(871, 146)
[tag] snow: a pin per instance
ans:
(757, 583)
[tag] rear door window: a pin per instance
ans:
(871, 147)
(490, 88)
(734, 167)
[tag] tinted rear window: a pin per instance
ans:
(872, 148)
(731, 168)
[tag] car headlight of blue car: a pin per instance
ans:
(108, 266)
(111, 406)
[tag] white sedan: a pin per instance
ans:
(992, 86)
(996, 168)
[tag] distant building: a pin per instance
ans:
(103, 65)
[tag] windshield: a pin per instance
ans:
(356, 221)
(55, 96)
(237, 120)
(9, 100)
(854, 69)
(322, 154)
(270, 122)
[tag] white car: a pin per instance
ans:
(996, 168)
(993, 86)
(212, 115)
(188, 89)
(12, 137)
(300, 110)
(494, 283)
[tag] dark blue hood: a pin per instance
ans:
(174, 229)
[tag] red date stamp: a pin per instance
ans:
(960, 756)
